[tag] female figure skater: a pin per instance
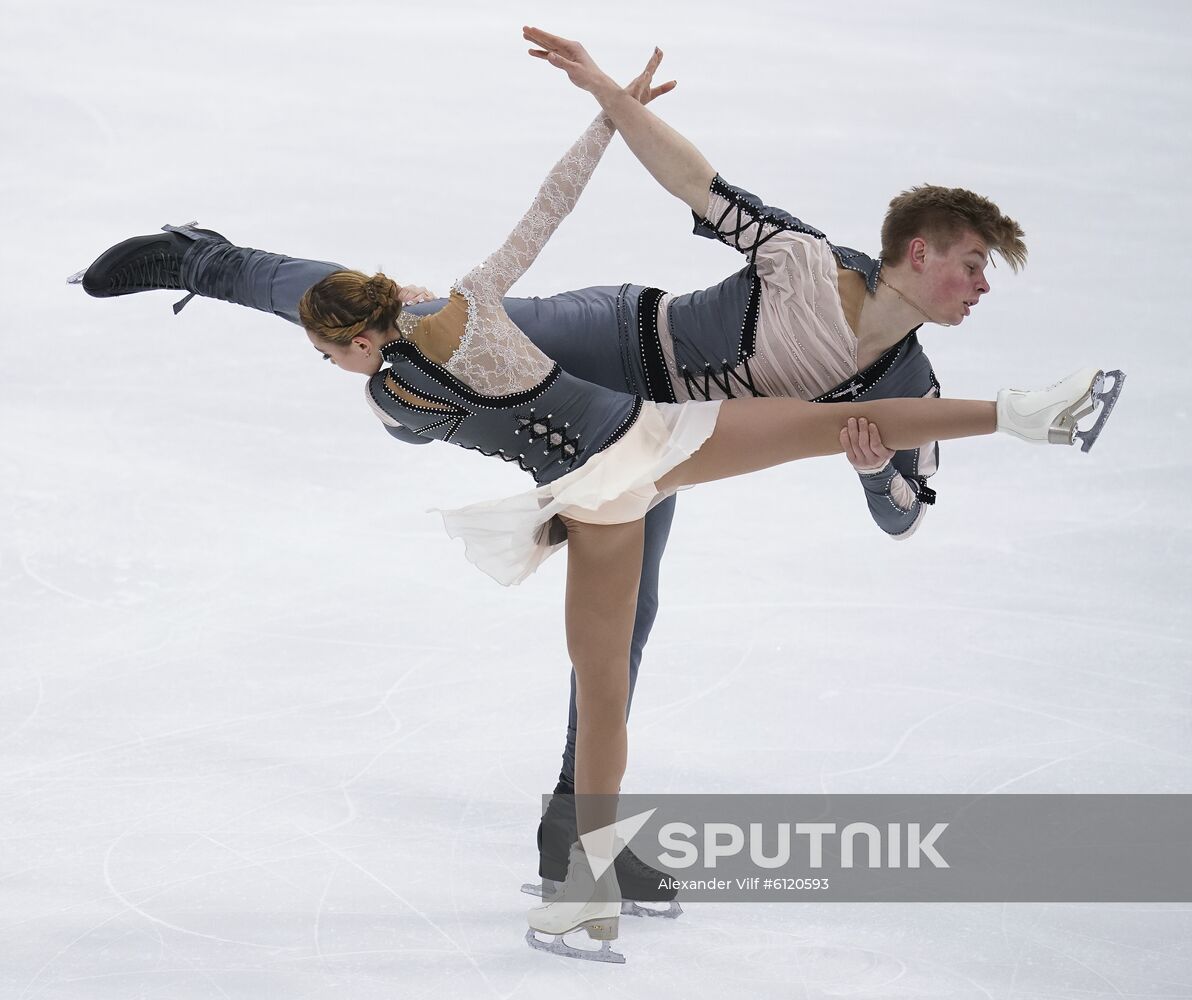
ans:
(601, 459)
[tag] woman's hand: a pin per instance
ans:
(641, 88)
(863, 445)
(411, 295)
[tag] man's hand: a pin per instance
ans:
(581, 69)
(672, 161)
(569, 56)
(411, 295)
(863, 445)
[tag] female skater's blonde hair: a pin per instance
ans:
(940, 215)
(346, 303)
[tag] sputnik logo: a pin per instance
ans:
(599, 843)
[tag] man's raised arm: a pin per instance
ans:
(673, 161)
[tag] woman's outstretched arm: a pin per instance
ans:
(555, 200)
(673, 161)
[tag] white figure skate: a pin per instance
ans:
(548, 888)
(1050, 416)
(583, 903)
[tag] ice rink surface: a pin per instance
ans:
(265, 734)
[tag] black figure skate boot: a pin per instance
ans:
(143, 263)
(638, 881)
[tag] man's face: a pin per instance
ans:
(953, 280)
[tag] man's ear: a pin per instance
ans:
(917, 252)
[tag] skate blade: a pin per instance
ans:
(76, 278)
(186, 229)
(629, 908)
(1065, 429)
(1107, 399)
(668, 911)
(557, 946)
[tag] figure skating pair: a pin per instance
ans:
(620, 396)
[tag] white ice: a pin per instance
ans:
(265, 734)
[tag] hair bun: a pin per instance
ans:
(380, 290)
(344, 304)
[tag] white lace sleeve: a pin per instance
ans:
(554, 201)
(494, 356)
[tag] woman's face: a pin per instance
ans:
(362, 355)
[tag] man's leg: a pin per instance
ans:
(257, 279)
(579, 329)
(203, 262)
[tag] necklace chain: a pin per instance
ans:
(910, 302)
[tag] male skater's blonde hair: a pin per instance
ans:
(941, 215)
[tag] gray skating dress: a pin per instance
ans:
(466, 374)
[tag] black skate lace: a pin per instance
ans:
(156, 269)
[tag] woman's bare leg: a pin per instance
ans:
(604, 561)
(753, 434)
(603, 568)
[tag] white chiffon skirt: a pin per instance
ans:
(509, 539)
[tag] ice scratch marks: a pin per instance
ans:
(944, 971)
(898, 744)
(150, 918)
(142, 742)
(420, 914)
(1027, 708)
(32, 712)
(70, 595)
(660, 713)
(49, 963)
(382, 704)
(1073, 665)
(319, 910)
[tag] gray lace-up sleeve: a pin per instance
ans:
(744, 222)
(898, 494)
(893, 504)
